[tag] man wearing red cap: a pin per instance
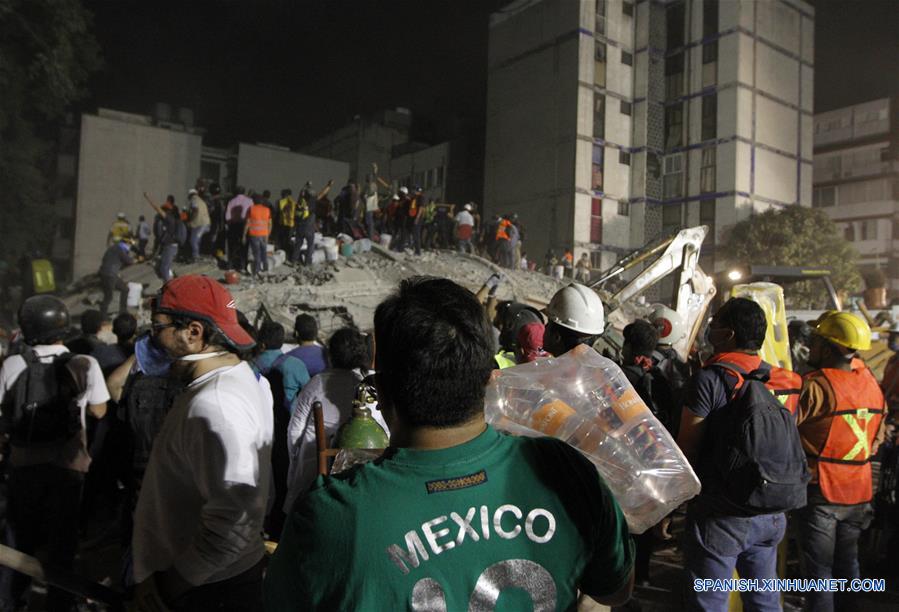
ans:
(198, 524)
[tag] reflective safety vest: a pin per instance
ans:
(844, 463)
(504, 359)
(784, 384)
(501, 233)
(258, 219)
(287, 208)
(303, 210)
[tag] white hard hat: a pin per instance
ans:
(192, 192)
(577, 308)
(404, 190)
(121, 215)
(672, 327)
(396, 197)
(467, 207)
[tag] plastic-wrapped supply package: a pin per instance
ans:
(585, 400)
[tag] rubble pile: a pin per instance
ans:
(337, 293)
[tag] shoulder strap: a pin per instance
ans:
(278, 361)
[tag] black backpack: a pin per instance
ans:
(756, 451)
(653, 388)
(42, 405)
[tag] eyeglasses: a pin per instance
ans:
(158, 327)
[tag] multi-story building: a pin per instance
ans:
(856, 180)
(611, 123)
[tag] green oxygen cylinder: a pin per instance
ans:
(362, 430)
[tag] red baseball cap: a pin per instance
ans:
(200, 297)
(530, 340)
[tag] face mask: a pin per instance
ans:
(151, 359)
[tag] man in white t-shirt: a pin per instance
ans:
(198, 524)
(48, 454)
(465, 229)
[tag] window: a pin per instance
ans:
(707, 170)
(869, 229)
(626, 58)
(599, 72)
(624, 158)
(674, 126)
(625, 108)
(707, 217)
(675, 23)
(824, 196)
(624, 208)
(709, 17)
(673, 182)
(628, 8)
(674, 76)
(599, 116)
(601, 16)
(710, 52)
(849, 232)
(709, 116)
(596, 183)
(671, 218)
(596, 221)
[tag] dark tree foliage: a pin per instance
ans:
(47, 53)
(796, 236)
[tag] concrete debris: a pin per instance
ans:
(338, 293)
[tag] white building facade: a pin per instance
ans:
(856, 180)
(611, 123)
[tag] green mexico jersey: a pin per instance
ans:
(497, 523)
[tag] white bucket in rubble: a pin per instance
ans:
(345, 238)
(385, 240)
(331, 252)
(318, 256)
(558, 272)
(277, 258)
(328, 241)
(362, 245)
(134, 294)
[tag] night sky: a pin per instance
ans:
(286, 71)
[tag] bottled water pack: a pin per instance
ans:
(585, 400)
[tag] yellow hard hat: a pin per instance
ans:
(845, 329)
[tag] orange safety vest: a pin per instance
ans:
(784, 384)
(844, 463)
(501, 233)
(258, 219)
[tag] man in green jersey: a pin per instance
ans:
(454, 515)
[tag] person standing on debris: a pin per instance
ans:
(465, 229)
(119, 229)
(841, 416)
(287, 207)
(171, 237)
(310, 352)
(115, 258)
(48, 456)
(401, 235)
(198, 524)
(335, 388)
(738, 522)
(503, 243)
(257, 228)
(199, 221)
(582, 269)
(568, 263)
(236, 218)
(143, 236)
(536, 523)
(372, 199)
(304, 222)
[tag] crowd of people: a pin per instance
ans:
(200, 433)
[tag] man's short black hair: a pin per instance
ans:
(91, 322)
(124, 326)
(434, 352)
(305, 328)
(266, 194)
(642, 337)
(746, 319)
(349, 349)
(271, 335)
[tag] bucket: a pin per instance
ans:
(328, 241)
(277, 258)
(346, 249)
(331, 252)
(362, 246)
(318, 256)
(558, 272)
(317, 240)
(134, 294)
(385, 240)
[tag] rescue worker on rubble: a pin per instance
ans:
(372, 538)
(304, 222)
(575, 316)
(287, 207)
(119, 229)
(840, 414)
